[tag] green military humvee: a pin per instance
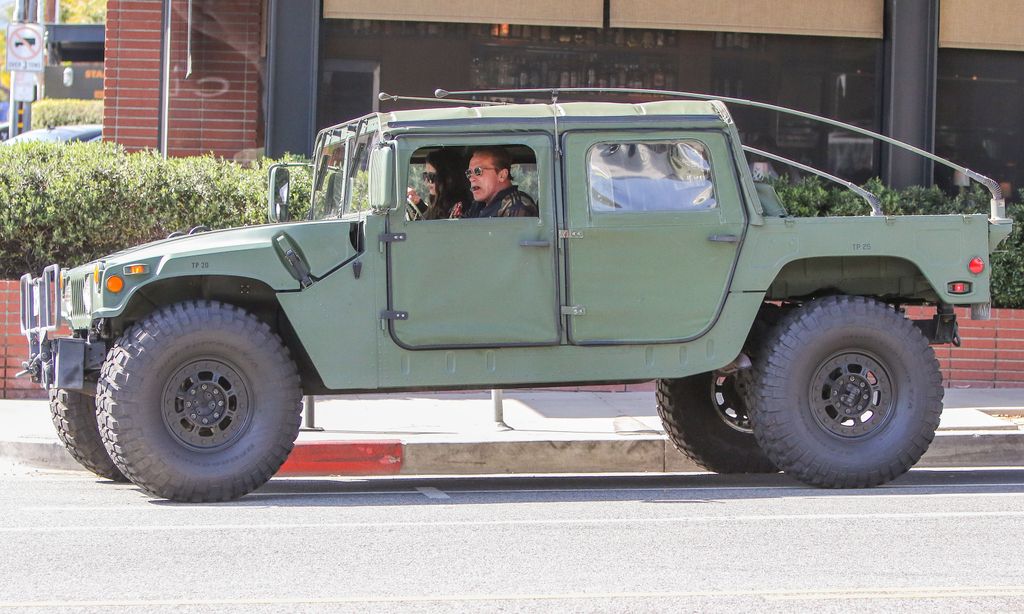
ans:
(777, 342)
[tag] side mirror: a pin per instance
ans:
(277, 202)
(382, 178)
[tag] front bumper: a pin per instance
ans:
(53, 363)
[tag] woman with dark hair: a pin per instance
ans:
(449, 190)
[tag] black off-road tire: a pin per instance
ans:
(190, 362)
(706, 419)
(849, 393)
(74, 417)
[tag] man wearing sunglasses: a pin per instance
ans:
(490, 181)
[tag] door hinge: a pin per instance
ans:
(570, 234)
(574, 310)
(394, 315)
(389, 237)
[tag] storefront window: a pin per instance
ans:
(834, 77)
(978, 116)
(215, 90)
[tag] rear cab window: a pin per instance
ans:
(628, 177)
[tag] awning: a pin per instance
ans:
(982, 24)
(852, 18)
(579, 13)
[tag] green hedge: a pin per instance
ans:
(71, 203)
(51, 112)
(75, 202)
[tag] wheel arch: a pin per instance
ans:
(887, 278)
(252, 295)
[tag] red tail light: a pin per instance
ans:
(976, 266)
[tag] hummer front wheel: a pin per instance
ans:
(200, 401)
(706, 418)
(74, 417)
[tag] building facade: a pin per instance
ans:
(243, 78)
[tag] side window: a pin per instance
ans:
(470, 181)
(628, 177)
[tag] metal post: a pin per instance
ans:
(499, 410)
(309, 414)
(20, 15)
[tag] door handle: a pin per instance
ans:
(535, 244)
(724, 239)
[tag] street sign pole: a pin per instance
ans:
(25, 50)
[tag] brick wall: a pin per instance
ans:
(217, 109)
(13, 348)
(992, 354)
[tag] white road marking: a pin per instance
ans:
(931, 592)
(725, 518)
(432, 493)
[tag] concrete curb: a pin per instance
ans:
(638, 455)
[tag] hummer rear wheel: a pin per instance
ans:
(200, 401)
(848, 393)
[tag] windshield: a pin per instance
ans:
(342, 176)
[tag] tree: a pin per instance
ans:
(83, 11)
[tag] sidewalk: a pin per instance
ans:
(551, 432)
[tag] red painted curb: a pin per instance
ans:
(382, 457)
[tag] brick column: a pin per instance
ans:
(13, 347)
(217, 108)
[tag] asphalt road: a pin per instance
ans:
(948, 541)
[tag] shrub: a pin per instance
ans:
(71, 203)
(51, 112)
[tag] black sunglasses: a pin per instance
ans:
(430, 177)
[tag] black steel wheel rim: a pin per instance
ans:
(852, 395)
(729, 404)
(207, 405)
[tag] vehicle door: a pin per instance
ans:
(487, 282)
(655, 222)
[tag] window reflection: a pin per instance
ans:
(627, 177)
(980, 95)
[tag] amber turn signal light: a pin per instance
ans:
(136, 269)
(115, 284)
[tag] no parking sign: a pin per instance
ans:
(25, 47)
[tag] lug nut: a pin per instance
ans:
(220, 403)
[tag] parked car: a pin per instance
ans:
(84, 132)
